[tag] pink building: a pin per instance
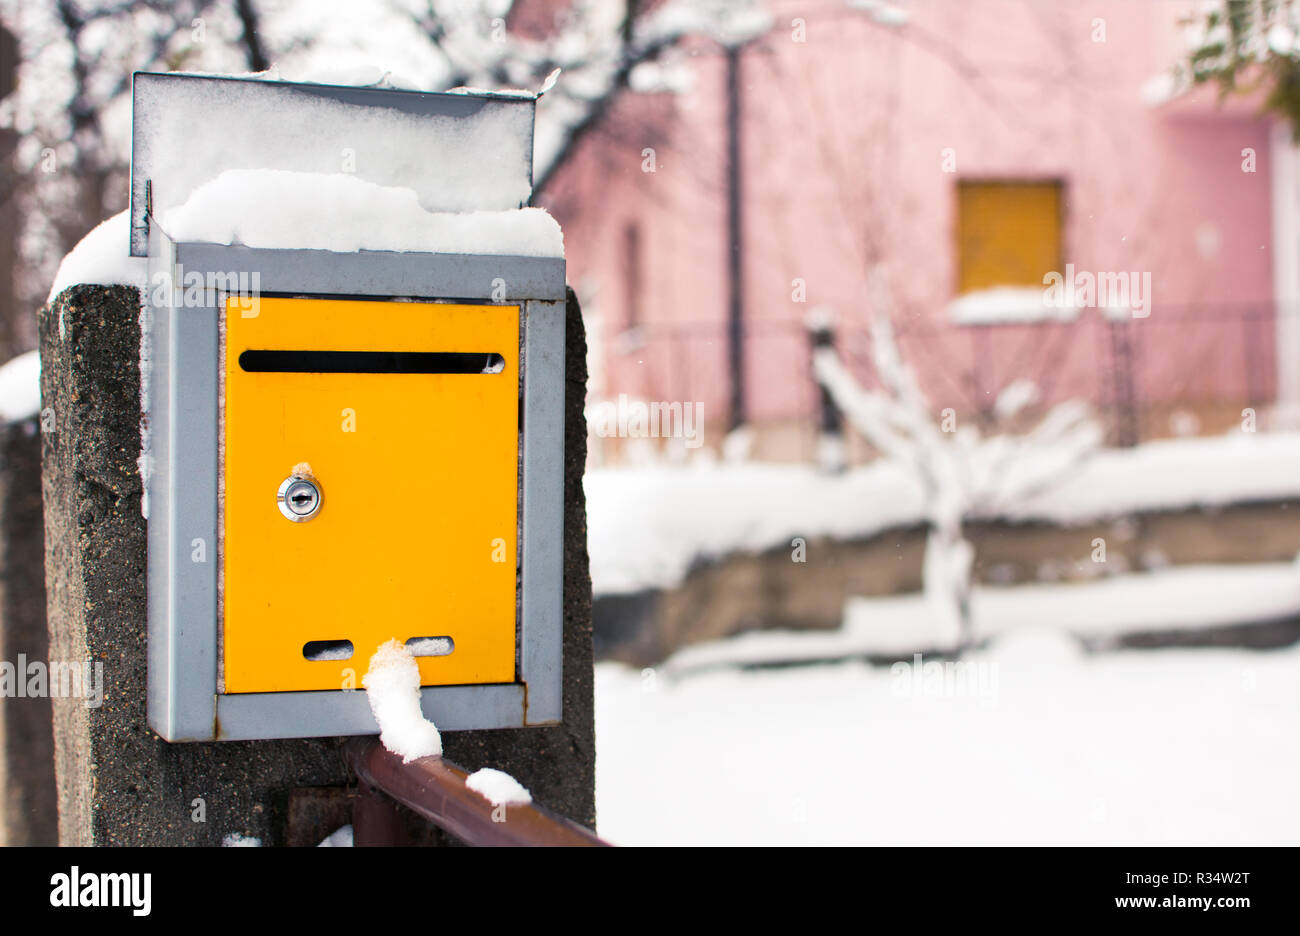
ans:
(962, 155)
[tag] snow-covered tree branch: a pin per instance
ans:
(599, 52)
(72, 108)
(961, 473)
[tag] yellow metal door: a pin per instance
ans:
(416, 462)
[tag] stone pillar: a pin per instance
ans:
(118, 782)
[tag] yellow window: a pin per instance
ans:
(1008, 233)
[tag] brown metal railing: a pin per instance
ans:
(435, 789)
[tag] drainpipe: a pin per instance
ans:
(735, 270)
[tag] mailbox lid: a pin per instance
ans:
(417, 467)
(459, 152)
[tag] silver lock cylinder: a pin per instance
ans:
(299, 498)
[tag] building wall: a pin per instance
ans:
(847, 138)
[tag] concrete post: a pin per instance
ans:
(118, 782)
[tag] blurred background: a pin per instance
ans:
(944, 404)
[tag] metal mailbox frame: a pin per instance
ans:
(181, 362)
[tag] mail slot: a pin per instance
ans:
(346, 447)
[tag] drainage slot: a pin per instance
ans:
(430, 646)
(321, 650)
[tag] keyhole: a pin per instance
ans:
(299, 498)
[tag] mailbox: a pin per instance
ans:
(344, 447)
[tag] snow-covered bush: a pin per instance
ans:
(959, 469)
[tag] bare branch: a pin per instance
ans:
(249, 19)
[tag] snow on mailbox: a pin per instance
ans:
(353, 363)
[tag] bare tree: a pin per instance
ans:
(71, 105)
(600, 54)
(79, 55)
(961, 472)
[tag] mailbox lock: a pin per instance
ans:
(299, 498)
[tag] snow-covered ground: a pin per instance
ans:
(1029, 739)
(1182, 598)
(1038, 742)
(647, 525)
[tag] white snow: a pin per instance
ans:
(357, 75)
(1015, 397)
(516, 93)
(20, 387)
(239, 840)
(498, 787)
(430, 646)
(648, 524)
(728, 22)
(1007, 305)
(887, 14)
(1159, 89)
(189, 132)
(338, 650)
(654, 77)
(393, 689)
(339, 838)
(1042, 745)
(891, 15)
(1185, 598)
(102, 258)
(336, 211)
(1281, 39)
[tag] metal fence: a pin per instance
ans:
(1183, 370)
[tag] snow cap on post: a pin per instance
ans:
(459, 152)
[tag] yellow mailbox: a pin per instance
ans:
(401, 421)
(345, 447)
